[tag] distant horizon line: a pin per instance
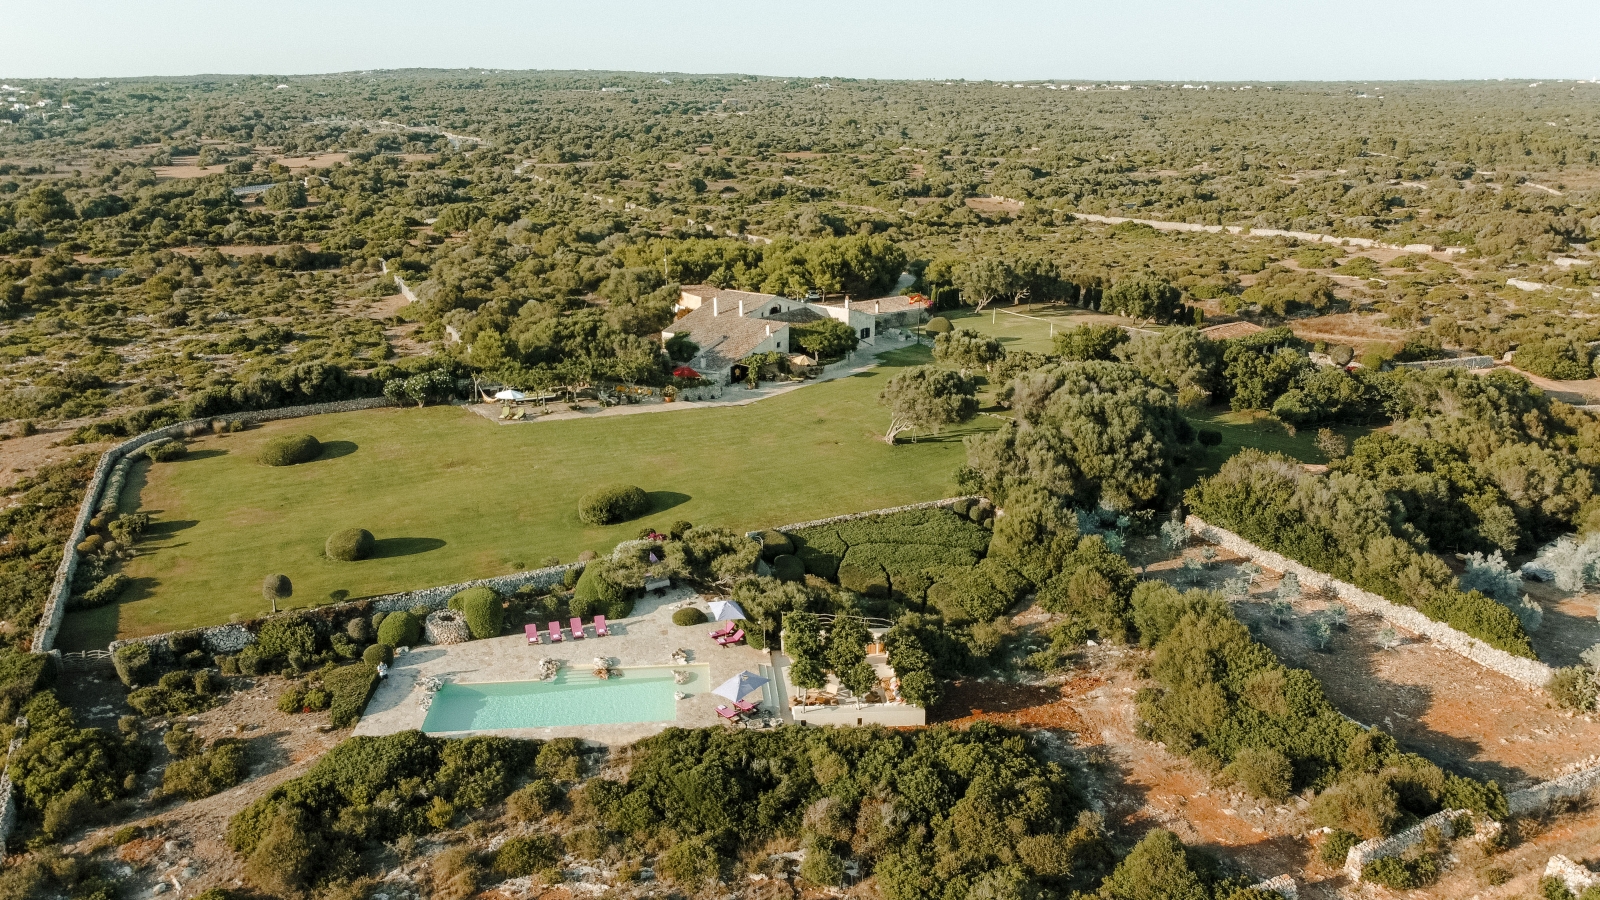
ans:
(1536, 80)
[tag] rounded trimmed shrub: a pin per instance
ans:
(377, 653)
(350, 545)
(400, 629)
(938, 325)
(689, 615)
(484, 611)
(612, 504)
(289, 450)
(775, 544)
(788, 568)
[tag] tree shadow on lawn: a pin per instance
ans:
(661, 501)
(161, 529)
(389, 548)
(201, 454)
(336, 449)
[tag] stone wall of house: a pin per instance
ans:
(55, 606)
(863, 515)
(235, 636)
(1398, 843)
(1541, 796)
(1527, 671)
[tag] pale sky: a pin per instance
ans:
(1105, 40)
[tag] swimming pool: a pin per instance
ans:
(635, 694)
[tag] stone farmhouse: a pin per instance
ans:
(729, 325)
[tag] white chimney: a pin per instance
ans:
(714, 310)
(769, 331)
(741, 309)
(846, 302)
(875, 307)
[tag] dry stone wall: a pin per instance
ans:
(1541, 796)
(863, 515)
(55, 606)
(1577, 878)
(1396, 844)
(1527, 671)
(1284, 886)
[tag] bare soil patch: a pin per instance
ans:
(1346, 328)
(184, 841)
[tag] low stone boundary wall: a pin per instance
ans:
(950, 501)
(8, 799)
(235, 636)
(1527, 671)
(1463, 362)
(1396, 844)
(55, 606)
(1540, 796)
(1575, 877)
(1283, 886)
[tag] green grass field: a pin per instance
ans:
(1253, 428)
(1027, 327)
(451, 496)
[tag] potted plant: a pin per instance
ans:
(669, 394)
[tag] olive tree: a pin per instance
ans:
(927, 397)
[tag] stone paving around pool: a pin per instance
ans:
(647, 638)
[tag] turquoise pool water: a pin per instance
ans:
(643, 694)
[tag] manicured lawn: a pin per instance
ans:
(451, 496)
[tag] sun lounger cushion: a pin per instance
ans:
(727, 713)
(726, 629)
(532, 631)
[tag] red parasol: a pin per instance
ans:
(685, 372)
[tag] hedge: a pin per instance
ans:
(102, 593)
(350, 687)
(595, 593)
(165, 451)
(400, 629)
(133, 664)
(289, 450)
(612, 504)
(483, 609)
(788, 568)
(350, 545)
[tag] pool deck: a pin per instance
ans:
(647, 638)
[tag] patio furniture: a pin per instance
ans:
(505, 412)
(731, 639)
(555, 632)
(727, 715)
(600, 626)
(532, 631)
(519, 415)
(726, 629)
(657, 584)
(577, 628)
(745, 707)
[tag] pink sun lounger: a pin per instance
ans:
(744, 706)
(731, 639)
(555, 632)
(532, 631)
(727, 628)
(577, 628)
(727, 714)
(600, 626)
